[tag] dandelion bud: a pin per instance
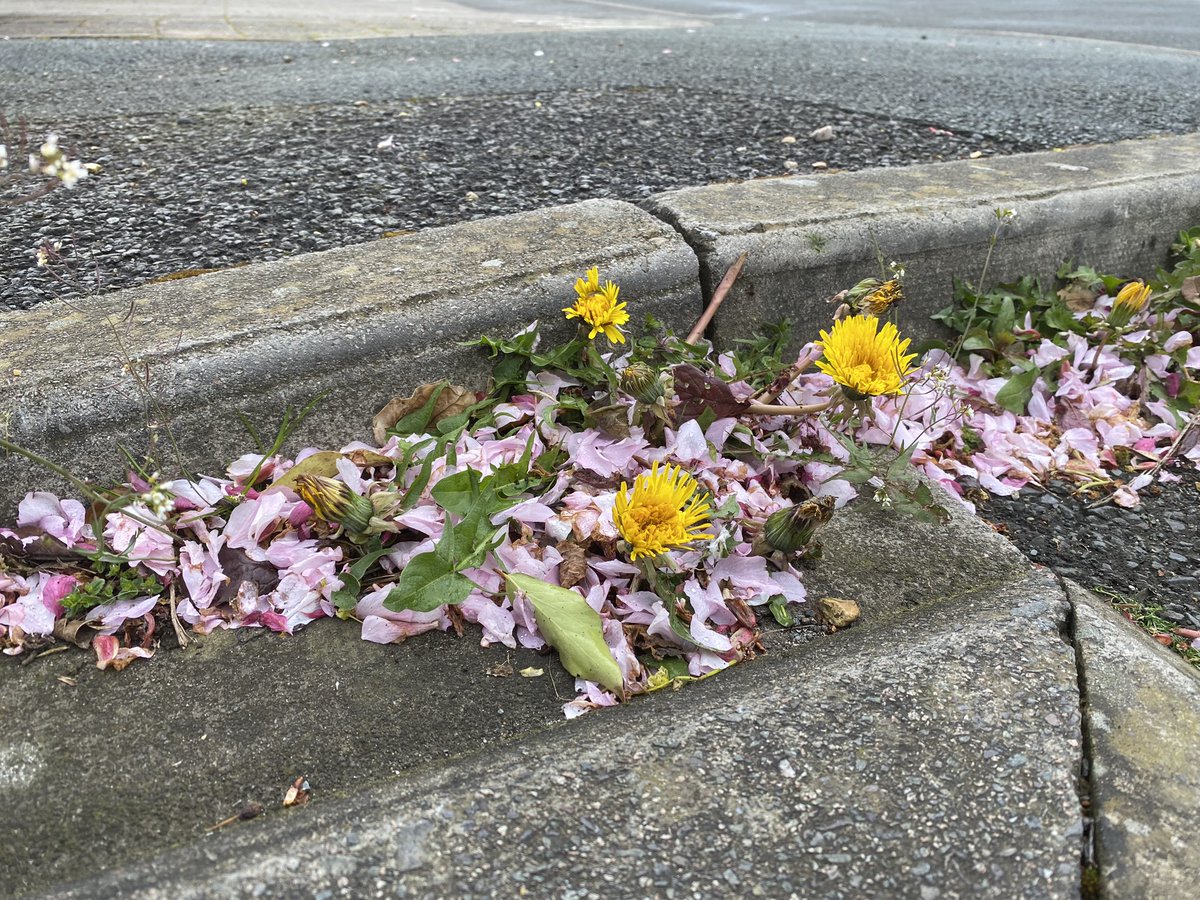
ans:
(333, 501)
(640, 381)
(1130, 301)
(792, 529)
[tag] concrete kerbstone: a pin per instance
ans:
(1142, 705)
(934, 756)
(1113, 206)
(362, 322)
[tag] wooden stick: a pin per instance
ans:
(718, 298)
(766, 409)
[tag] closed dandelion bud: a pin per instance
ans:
(334, 502)
(1130, 301)
(792, 529)
(641, 382)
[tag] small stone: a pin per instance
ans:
(790, 139)
(822, 134)
(820, 165)
(837, 612)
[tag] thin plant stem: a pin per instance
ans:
(82, 486)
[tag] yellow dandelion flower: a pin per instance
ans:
(1130, 301)
(598, 307)
(863, 358)
(664, 511)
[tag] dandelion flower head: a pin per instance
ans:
(664, 511)
(866, 360)
(598, 307)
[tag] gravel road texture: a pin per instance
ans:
(219, 154)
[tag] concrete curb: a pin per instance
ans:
(363, 323)
(1142, 713)
(908, 753)
(366, 322)
(1114, 205)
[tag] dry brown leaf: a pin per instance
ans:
(453, 400)
(297, 793)
(500, 670)
(76, 631)
(1190, 289)
(1077, 297)
(573, 567)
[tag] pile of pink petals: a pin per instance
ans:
(1073, 432)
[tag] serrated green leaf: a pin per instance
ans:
(427, 582)
(572, 628)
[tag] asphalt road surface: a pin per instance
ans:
(219, 152)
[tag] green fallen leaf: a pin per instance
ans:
(572, 628)
(427, 582)
(1016, 393)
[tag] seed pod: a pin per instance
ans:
(334, 502)
(792, 529)
(641, 382)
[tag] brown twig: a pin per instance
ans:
(771, 393)
(718, 298)
(757, 408)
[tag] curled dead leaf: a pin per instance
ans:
(573, 567)
(74, 631)
(1190, 288)
(297, 793)
(452, 399)
(531, 672)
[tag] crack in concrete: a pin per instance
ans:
(1090, 884)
